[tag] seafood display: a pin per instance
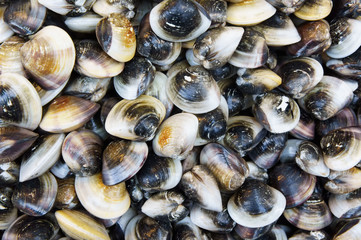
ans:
(180, 119)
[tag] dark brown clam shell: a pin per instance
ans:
(107, 105)
(66, 197)
(186, 229)
(305, 129)
(144, 227)
(8, 213)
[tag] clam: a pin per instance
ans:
(256, 172)
(14, 141)
(300, 75)
(341, 182)
(228, 168)
(187, 230)
(82, 152)
(8, 213)
(86, 23)
(137, 75)
(154, 48)
(244, 13)
(176, 136)
(340, 147)
(251, 233)
(305, 129)
(170, 20)
(9, 173)
(79, 225)
(61, 170)
(349, 230)
(328, 97)
(36, 197)
(116, 36)
(252, 50)
(135, 191)
(25, 17)
(41, 157)
(277, 112)
(348, 66)
(191, 160)
(106, 7)
(93, 62)
(122, 159)
(10, 60)
(346, 37)
(20, 102)
(312, 235)
(67, 113)
(200, 185)
(5, 30)
(313, 10)
(166, 206)
(30, 227)
(49, 57)
(215, 47)
(193, 90)
(191, 58)
(224, 72)
(287, 6)
(69, 8)
(136, 119)
(47, 96)
(217, 11)
(122, 223)
(347, 205)
(159, 174)
(106, 201)
(66, 197)
(256, 204)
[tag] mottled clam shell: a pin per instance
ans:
(7, 217)
(49, 57)
(10, 60)
(93, 62)
(228, 167)
(348, 66)
(82, 152)
(14, 141)
(106, 7)
(176, 136)
(251, 233)
(311, 235)
(305, 129)
(47, 96)
(341, 182)
(20, 102)
(136, 119)
(256, 172)
(122, 159)
(41, 157)
(67, 113)
(168, 17)
(287, 6)
(9, 173)
(106, 201)
(36, 197)
(245, 13)
(346, 205)
(247, 212)
(25, 17)
(200, 185)
(116, 36)
(186, 229)
(79, 225)
(30, 227)
(5, 30)
(313, 10)
(86, 23)
(217, 11)
(66, 7)
(66, 197)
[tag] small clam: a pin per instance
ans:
(29, 227)
(82, 152)
(25, 17)
(66, 7)
(287, 6)
(341, 182)
(61, 170)
(66, 197)
(5, 30)
(194, 90)
(244, 13)
(135, 78)
(166, 206)
(106, 201)
(86, 23)
(10, 60)
(36, 197)
(200, 185)
(67, 113)
(20, 102)
(228, 168)
(256, 204)
(49, 57)
(41, 157)
(313, 10)
(217, 11)
(176, 136)
(9, 173)
(136, 119)
(122, 159)
(93, 62)
(79, 225)
(187, 230)
(347, 205)
(179, 20)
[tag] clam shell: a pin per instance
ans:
(41, 157)
(5, 30)
(69, 8)
(10, 60)
(105, 7)
(9, 173)
(66, 197)
(61, 170)
(8, 212)
(346, 205)
(251, 233)
(313, 10)
(67, 113)
(86, 23)
(20, 102)
(106, 201)
(348, 66)
(305, 128)
(217, 11)
(36, 197)
(349, 230)
(256, 172)
(301, 235)
(47, 95)
(287, 6)
(186, 229)
(341, 182)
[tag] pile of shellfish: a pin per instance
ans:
(139, 119)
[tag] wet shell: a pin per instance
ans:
(106, 7)
(106, 201)
(9, 173)
(66, 7)
(348, 66)
(136, 119)
(5, 30)
(251, 233)
(20, 102)
(14, 141)
(287, 6)
(49, 57)
(10, 60)
(313, 10)
(47, 95)
(67, 113)
(187, 230)
(36, 197)
(41, 157)
(179, 20)
(340, 182)
(346, 205)
(217, 11)
(116, 36)
(79, 225)
(122, 160)
(82, 152)
(66, 197)
(86, 23)
(305, 129)
(228, 168)
(93, 62)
